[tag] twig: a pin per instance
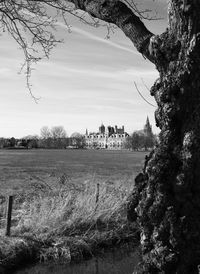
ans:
(143, 96)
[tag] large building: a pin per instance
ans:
(106, 138)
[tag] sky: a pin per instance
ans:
(88, 80)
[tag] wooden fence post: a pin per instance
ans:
(9, 215)
(97, 193)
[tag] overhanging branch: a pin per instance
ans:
(118, 13)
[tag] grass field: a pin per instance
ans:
(67, 203)
(19, 169)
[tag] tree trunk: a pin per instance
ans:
(166, 198)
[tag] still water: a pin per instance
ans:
(116, 262)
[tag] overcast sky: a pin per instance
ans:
(87, 80)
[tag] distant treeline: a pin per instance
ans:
(138, 141)
(56, 138)
(50, 143)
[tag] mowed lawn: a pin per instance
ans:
(19, 169)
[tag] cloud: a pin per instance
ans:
(63, 70)
(4, 72)
(98, 39)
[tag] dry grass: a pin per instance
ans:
(66, 220)
(68, 208)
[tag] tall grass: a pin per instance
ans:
(68, 209)
(72, 220)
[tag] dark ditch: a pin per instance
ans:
(118, 261)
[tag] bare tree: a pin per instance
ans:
(59, 135)
(166, 198)
(77, 140)
(45, 132)
(46, 137)
(54, 137)
(58, 132)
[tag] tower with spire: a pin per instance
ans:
(148, 128)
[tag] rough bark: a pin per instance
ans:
(166, 198)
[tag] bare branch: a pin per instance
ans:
(145, 85)
(143, 96)
(32, 24)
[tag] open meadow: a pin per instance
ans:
(20, 169)
(67, 203)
